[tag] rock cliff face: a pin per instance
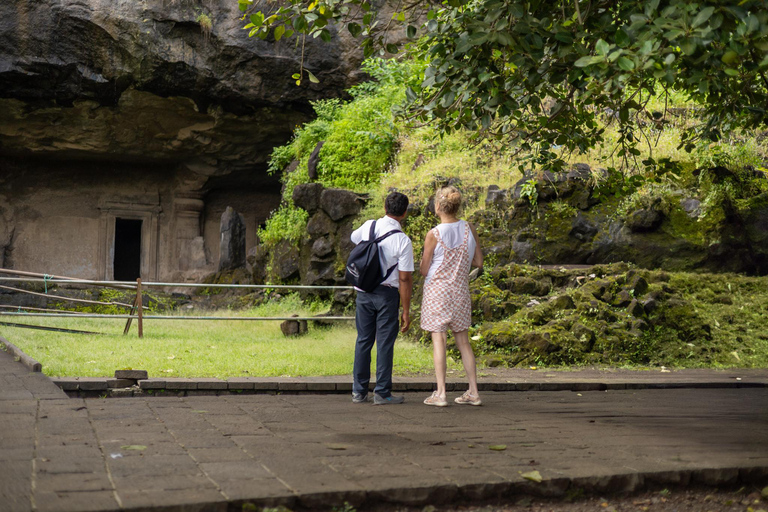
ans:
(139, 80)
(158, 111)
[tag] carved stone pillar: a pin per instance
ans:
(188, 209)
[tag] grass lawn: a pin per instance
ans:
(177, 348)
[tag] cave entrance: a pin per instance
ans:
(127, 262)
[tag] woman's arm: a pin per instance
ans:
(429, 250)
(477, 258)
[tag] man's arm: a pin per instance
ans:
(406, 290)
(357, 235)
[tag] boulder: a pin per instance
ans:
(339, 203)
(429, 208)
(232, 246)
(414, 209)
(528, 286)
(582, 229)
(645, 219)
(286, 259)
(496, 198)
(622, 299)
(314, 159)
(691, 206)
(536, 341)
(307, 196)
(562, 302)
(636, 309)
(320, 224)
(580, 172)
(293, 327)
(322, 247)
(257, 263)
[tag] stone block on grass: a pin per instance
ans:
(131, 374)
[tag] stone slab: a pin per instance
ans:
(152, 384)
(120, 383)
(131, 374)
(211, 384)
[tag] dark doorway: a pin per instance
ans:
(127, 249)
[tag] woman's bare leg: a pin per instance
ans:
(438, 356)
(467, 358)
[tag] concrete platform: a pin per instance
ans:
(320, 450)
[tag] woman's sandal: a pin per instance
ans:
(435, 400)
(468, 399)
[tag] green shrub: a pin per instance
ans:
(286, 223)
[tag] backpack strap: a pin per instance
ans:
(385, 235)
(389, 272)
(377, 240)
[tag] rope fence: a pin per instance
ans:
(136, 310)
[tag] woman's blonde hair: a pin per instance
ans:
(449, 199)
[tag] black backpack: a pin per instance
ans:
(363, 265)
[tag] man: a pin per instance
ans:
(377, 311)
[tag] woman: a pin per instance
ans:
(449, 250)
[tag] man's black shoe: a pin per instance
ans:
(391, 399)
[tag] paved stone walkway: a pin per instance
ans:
(221, 452)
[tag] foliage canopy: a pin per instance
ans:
(539, 74)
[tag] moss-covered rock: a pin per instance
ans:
(671, 318)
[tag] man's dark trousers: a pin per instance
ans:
(377, 319)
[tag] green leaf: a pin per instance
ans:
(622, 38)
(602, 47)
(312, 77)
(137, 447)
(730, 72)
(587, 61)
(392, 48)
(703, 16)
(354, 29)
(410, 31)
(626, 64)
(498, 447)
(533, 476)
(325, 35)
(279, 31)
(729, 57)
(295, 76)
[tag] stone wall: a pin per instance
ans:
(320, 257)
(63, 221)
(572, 223)
(111, 109)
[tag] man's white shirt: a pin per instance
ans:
(395, 249)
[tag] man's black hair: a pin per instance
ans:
(396, 204)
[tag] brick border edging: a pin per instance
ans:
(487, 492)
(32, 364)
(84, 387)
